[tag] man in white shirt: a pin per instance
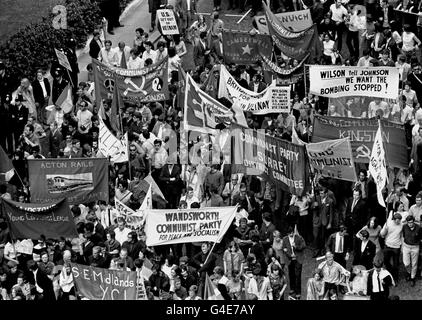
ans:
(83, 117)
(108, 56)
(365, 59)
(122, 52)
(392, 232)
(338, 13)
(416, 209)
(379, 281)
(352, 39)
(149, 52)
(121, 231)
(378, 107)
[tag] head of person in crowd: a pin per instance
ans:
(123, 185)
(397, 217)
(364, 235)
(157, 144)
(205, 247)
(107, 45)
(373, 223)
(330, 258)
(121, 223)
(410, 222)
(148, 46)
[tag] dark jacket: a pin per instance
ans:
(172, 187)
(388, 281)
(357, 217)
(261, 86)
(331, 243)
(324, 213)
(200, 258)
(366, 257)
(38, 93)
(300, 246)
(44, 283)
(94, 49)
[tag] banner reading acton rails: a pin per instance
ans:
(80, 180)
(191, 225)
(338, 81)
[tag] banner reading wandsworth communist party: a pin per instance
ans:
(362, 136)
(80, 180)
(293, 21)
(338, 81)
(29, 220)
(277, 160)
(332, 158)
(191, 225)
(103, 284)
(243, 48)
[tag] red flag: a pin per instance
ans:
(65, 100)
(6, 166)
(116, 104)
(211, 292)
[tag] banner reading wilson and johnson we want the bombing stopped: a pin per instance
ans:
(80, 180)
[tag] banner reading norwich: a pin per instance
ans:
(362, 135)
(278, 160)
(190, 225)
(104, 284)
(243, 48)
(333, 159)
(80, 180)
(294, 21)
(272, 99)
(338, 81)
(29, 220)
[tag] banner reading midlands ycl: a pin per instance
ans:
(243, 48)
(190, 225)
(338, 81)
(103, 284)
(333, 159)
(362, 136)
(277, 160)
(29, 220)
(80, 180)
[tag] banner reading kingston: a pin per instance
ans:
(29, 220)
(333, 159)
(278, 160)
(362, 135)
(80, 180)
(294, 21)
(241, 47)
(272, 99)
(190, 225)
(338, 81)
(103, 284)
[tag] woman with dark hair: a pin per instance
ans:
(179, 45)
(233, 259)
(278, 282)
(374, 230)
(315, 286)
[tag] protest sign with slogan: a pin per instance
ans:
(135, 219)
(243, 48)
(333, 159)
(29, 220)
(80, 180)
(294, 21)
(167, 21)
(103, 284)
(272, 99)
(362, 135)
(275, 159)
(173, 226)
(110, 146)
(63, 61)
(25, 246)
(338, 81)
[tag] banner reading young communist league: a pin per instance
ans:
(103, 284)
(362, 136)
(332, 158)
(191, 225)
(338, 81)
(29, 220)
(80, 180)
(277, 160)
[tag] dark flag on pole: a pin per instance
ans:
(6, 167)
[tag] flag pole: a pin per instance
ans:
(209, 253)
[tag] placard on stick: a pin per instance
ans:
(167, 22)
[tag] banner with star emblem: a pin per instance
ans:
(244, 48)
(203, 113)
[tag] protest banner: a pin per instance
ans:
(63, 61)
(135, 219)
(275, 159)
(103, 284)
(362, 135)
(241, 47)
(29, 220)
(110, 146)
(294, 21)
(296, 45)
(332, 159)
(167, 21)
(25, 246)
(271, 100)
(173, 226)
(377, 166)
(338, 81)
(80, 180)
(203, 113)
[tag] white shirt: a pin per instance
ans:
(121, 236)
(363, 245)
(152, 55)
(42, 84)
(108, 57)
(338, 13)
(126, 51)
(339, 248)
(136, 63)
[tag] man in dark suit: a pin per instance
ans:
(153, 6)
(170, 179)
(42, 91)
(356, 212)
(293, 246)
(246, 200)
(340, 244)
(256, 85)
(19, 117)
(322, 220)
(384, 14)
(200, 51)
(59, 83)
(55, 138)
(379, 282)
(365, 250)
(40, 280)
(216, 50)
(95, 45)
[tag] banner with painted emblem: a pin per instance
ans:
(294, 21)
(103, 284)
(110, 146)
(377, 166)
(80, 180)
(362, 136)
(332, 159)
(241, 47)
(173, 226)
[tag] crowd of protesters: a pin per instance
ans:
(262, 254)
